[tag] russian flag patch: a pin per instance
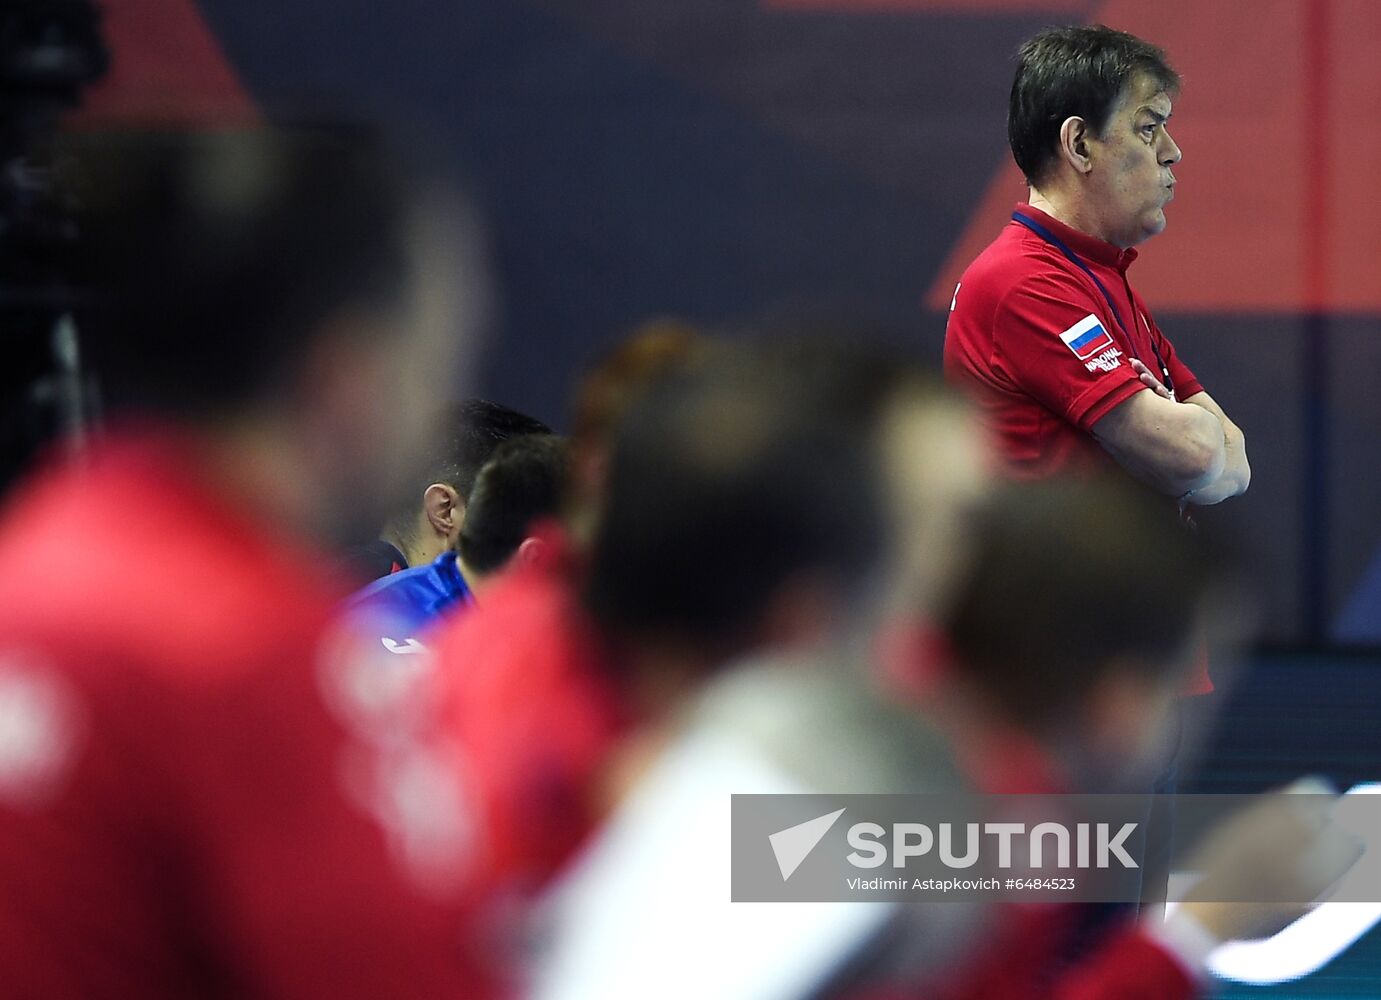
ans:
(1087, 337)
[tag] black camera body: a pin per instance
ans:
(50, 52)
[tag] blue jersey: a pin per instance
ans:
(401, 607)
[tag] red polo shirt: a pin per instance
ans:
(531, 703)
(196, 798)
(1035, 341)
(1024, 952)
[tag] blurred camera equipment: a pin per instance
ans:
(50, 52)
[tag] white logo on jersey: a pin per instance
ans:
(1106, 361)
(38, 733)
(404, 648)
(397, 764)
(955, 299)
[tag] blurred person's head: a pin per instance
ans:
(752, 513)
(1087, 126)
(608, 390)
(941, 467)
(1079, 617)
(933, 455)
(522, 485)
(291, 294)
(738, 516)
(463, 438)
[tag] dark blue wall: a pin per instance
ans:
(717, 160)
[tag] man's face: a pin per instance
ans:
(1132, 179)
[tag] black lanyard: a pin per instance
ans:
(1077, 261)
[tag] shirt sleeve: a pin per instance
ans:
(1052, 341)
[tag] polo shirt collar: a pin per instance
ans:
(1089, 247)
(451, 582)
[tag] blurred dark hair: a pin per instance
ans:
(217, 256)
(616, 381)
(468, 434)
(1078, 71)
(1069, 579)
(849, 372)
(522, 483)
(724, 485)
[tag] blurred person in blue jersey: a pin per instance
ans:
(427, 524)
(518, 492)
(204, 791)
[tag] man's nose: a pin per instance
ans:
(1169, 152)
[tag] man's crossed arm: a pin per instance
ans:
(1188, 449)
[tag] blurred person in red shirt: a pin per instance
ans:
(1070, 631)
(735, 515)
(204, 790)
(650, 887)
(519, 489)
(612, 386)
(1075, 706)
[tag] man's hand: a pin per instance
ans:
(1237, 473)
(1184, 448)
(1149, 380)
(1168, 445)
(1284, 851)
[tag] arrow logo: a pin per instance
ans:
(794, 844)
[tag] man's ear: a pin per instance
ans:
(444, 509)
(531, 550)
(1074, 144)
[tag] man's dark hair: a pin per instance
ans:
(1074, 72)
(217, 255)
(522, 483)
(1068, 580)
(467, 435)
(723, 486)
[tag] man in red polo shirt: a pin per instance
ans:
(1065, 360)
(205, 789)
